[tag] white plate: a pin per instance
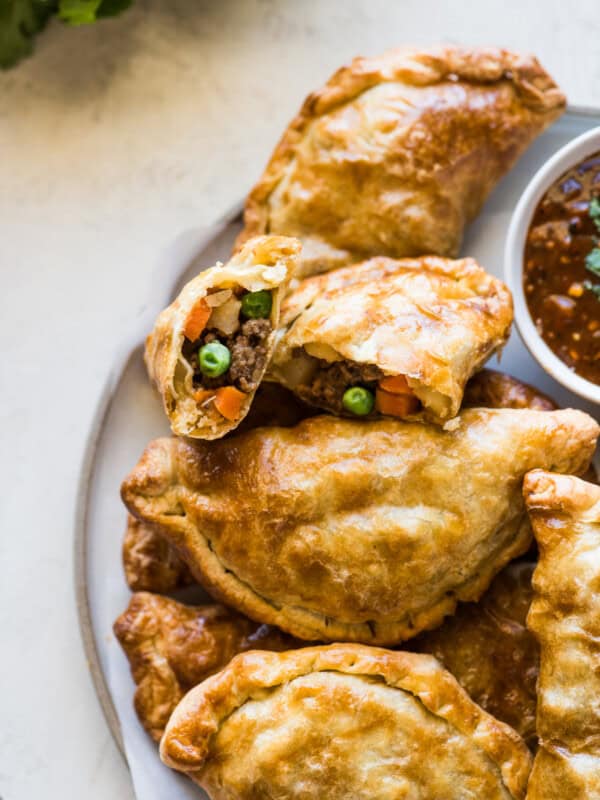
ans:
(129, 415)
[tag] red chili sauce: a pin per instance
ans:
(562, 293)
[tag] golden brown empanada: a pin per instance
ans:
(149, 561)
(490, 652)
(397, 153)
(235, 309)
(411, 332)
(347, 722)
(492, 389)
(340, 529)
(172, 647)
(565, 618)
(148, 567)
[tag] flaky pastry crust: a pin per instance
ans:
(490, 652)
(397, 153)
(172, 647)
(342, 530)
(148, 568)
(492, 389)
(565, 618)
(266, 262)
(432, 320)
(149, 561)
(345, 721)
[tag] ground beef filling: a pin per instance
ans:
(331, 380)
(248, 348)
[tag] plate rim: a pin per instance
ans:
(80, 544)
(80, 539)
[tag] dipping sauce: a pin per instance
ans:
(560, 279)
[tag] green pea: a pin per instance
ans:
(214, 359)
(257, 305)
(358, 400)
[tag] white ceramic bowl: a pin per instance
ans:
(567, 157)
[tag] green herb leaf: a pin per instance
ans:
(20, 21)
(594, 210)
(592, 287)
(592, 261)
(78, 12)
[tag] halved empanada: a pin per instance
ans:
(401, 336)
(397, 153)
(565, 618)
(172, 647)
(209, 349)
(347, 722)
(490, 652)
(364, 531)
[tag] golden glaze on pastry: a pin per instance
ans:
(210, 304)
(431, 321)
(347, 722)
(490, 652)
(149, 568)
(337, 529)
(149, 561)
(565, 618)
(397, 153)
(172, 647)
(492, 389)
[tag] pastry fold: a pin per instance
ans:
(565, 618)
(348, 722)
(490, 652)
(430, 322)
(209, 309)
(397, 153)
(363, 531)
(172, 647)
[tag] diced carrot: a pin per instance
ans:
(395, 384)
(395, 405)
(228, 402)
(201, 395)
(196, 320)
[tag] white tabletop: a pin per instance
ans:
(114, 141)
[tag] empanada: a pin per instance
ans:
(492, 389)
(149, 561)
(209, 349)
(565, 618)
(490, 652)
(152, 568)
(172, 647)
(339, 529)
(397, 153)
(347, 722)
(391, 337)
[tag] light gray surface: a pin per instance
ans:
(115, 142)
